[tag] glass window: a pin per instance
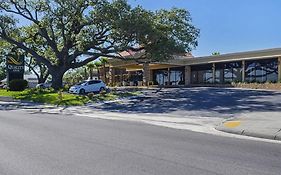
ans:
(160, 77)
(261, 71)
(201, 74)
(177, 76)
(163, 77)
(228, 72)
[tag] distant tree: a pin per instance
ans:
(40, 70)
(66, 34)
(216, 53)
(104, 61)
(91, 67)
(74, 76)
(98, 65)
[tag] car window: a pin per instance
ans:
(81, 83)
(96, 81)
(91, 82)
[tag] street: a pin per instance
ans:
(55, 144)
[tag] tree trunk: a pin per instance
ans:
(85, 74)
(57, 76)
(41, 80)
(104, 73)
(91, 73)
(98, 73)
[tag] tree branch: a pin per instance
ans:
(22, 46)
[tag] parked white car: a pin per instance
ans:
(44, 85)
(88, 86)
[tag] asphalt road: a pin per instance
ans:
(58, 144)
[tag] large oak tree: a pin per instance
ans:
(67, 34)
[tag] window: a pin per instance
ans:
(164, 77)
(261, 71)
(94, 82)
(228, 72)
(201, 74)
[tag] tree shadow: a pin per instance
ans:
(205, 101)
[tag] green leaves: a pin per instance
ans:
(62, 34)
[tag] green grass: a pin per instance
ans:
(65, 99)
(46, 96)
(6, 93)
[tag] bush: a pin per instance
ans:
(18, 85)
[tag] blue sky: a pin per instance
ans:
(229, 25)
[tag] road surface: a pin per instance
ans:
(52, 144)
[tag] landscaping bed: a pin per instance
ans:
(270, 86)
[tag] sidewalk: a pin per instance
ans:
(256, 124)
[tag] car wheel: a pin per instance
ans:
(82, 91)
(102, 89)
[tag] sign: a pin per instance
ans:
(15, 66)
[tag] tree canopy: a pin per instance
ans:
(65, 34)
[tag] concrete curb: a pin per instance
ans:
(8, 99)
(249, 132)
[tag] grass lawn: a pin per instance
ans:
(65, 99)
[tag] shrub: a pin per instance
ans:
(18, 85)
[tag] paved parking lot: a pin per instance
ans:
(205, 102)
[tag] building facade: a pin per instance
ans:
(254, 66)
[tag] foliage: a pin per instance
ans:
(2, 72)
(18, 85)
(76, 75)
(59, 33)
(40, 70)
(91, 67)
(216, 53)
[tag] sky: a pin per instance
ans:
(228, 26)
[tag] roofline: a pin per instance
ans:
(237, 56)
(229, 57)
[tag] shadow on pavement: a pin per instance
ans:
(214, 100)
(205, 102)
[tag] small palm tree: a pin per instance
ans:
(97, 66)
(91, 67)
